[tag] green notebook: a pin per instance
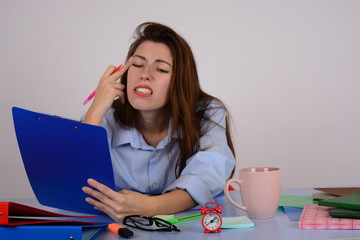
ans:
(344, 213)
(351, 201)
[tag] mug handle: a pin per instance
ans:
(227, 194)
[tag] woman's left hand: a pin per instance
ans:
(117, 205)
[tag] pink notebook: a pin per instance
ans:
(318, 217)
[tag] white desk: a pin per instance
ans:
(276, 228)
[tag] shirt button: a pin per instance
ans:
(155, 153)
(154, 185)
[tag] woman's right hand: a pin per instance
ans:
(107, 89)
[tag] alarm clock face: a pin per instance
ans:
(212, 221)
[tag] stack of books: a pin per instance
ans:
(342, 212)
(19, 221)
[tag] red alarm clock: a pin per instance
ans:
(212, 220)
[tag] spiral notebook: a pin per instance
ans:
(59, 155)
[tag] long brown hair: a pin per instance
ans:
(187, 104)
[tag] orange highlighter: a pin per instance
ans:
(120, 230)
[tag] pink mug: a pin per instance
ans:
(260, 191)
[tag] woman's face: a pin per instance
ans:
(149, 76)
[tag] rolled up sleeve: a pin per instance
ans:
(207, 170)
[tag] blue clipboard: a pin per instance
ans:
(59, 155)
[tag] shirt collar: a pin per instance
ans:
(124, 135)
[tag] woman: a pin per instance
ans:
(169, 141)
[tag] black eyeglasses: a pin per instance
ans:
(149, 223)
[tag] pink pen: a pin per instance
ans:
(93, 93)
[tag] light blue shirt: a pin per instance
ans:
(151, 170)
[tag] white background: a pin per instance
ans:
(289, 71)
